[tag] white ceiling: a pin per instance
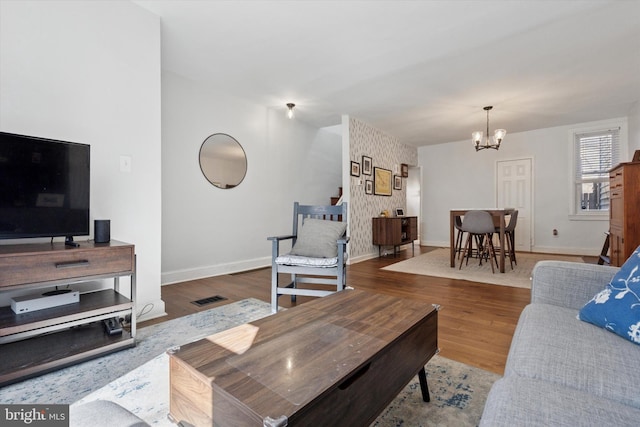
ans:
(418, 70)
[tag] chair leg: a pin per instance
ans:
(294, 284)
(459, 241)
(466, 251)
(509, 252)
(492, 252)
(274, 289)
(512, 238)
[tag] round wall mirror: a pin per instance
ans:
(223, 160)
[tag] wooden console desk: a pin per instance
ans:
(394, 231)
(338, 361)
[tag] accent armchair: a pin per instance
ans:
(318, 253)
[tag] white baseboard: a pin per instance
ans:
(439, 244)
(567, 250)
(360, 258)
(177, 276)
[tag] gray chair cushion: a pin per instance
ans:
(515, 401)
(318, 238)
(551, 344)
(305, 261)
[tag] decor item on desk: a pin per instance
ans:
(489, 142)
(290, 106)
(368, 186)
(367, 165)
(381, 181)
(102, 230)
(397, 182)
(636, 156)
(404, 170)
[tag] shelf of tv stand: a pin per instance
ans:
(36, 342)
(30, 357)
(95, 305)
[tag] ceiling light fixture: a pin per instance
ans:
(290, 105)
(489, 142)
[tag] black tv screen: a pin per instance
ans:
(44, 187)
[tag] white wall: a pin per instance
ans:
(208, 231)
(455, 176)
(90, 72)
(634, 130)
(386, 152)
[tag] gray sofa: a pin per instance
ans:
(562, 371)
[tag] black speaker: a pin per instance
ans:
(102, 230)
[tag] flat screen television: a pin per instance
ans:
(44, 187)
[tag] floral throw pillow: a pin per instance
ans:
(617, 307)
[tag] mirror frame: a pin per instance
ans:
(210, 141)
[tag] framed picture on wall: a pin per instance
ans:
(381, 182)
(368, 187)
(367, 165)
(404, 170)
(397, 182)
(355, 168)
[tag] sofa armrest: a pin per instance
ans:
(568, 284)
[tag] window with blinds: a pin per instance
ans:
(596, 153)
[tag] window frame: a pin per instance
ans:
(575, 213)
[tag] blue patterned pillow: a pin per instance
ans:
(617, 307)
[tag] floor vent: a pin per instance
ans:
(210, 300)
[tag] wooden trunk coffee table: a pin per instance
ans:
(338, 360)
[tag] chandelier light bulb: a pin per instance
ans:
(477, 137)
(290, 106)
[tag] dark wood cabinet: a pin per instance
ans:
(396, 231)
(624, 211)
(35, 342)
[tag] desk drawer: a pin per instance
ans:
(64, 265)
(616, 178)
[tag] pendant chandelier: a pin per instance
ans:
(489, 142)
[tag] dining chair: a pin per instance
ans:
(479, 225)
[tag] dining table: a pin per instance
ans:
(499, 218)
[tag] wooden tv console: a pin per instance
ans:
(36, 342)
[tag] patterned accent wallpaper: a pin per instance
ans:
(385, 152)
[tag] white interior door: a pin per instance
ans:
(514, 191)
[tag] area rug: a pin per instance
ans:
(458, 393)
(437, 263)
(67, 385)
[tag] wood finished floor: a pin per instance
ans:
(475, 323)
